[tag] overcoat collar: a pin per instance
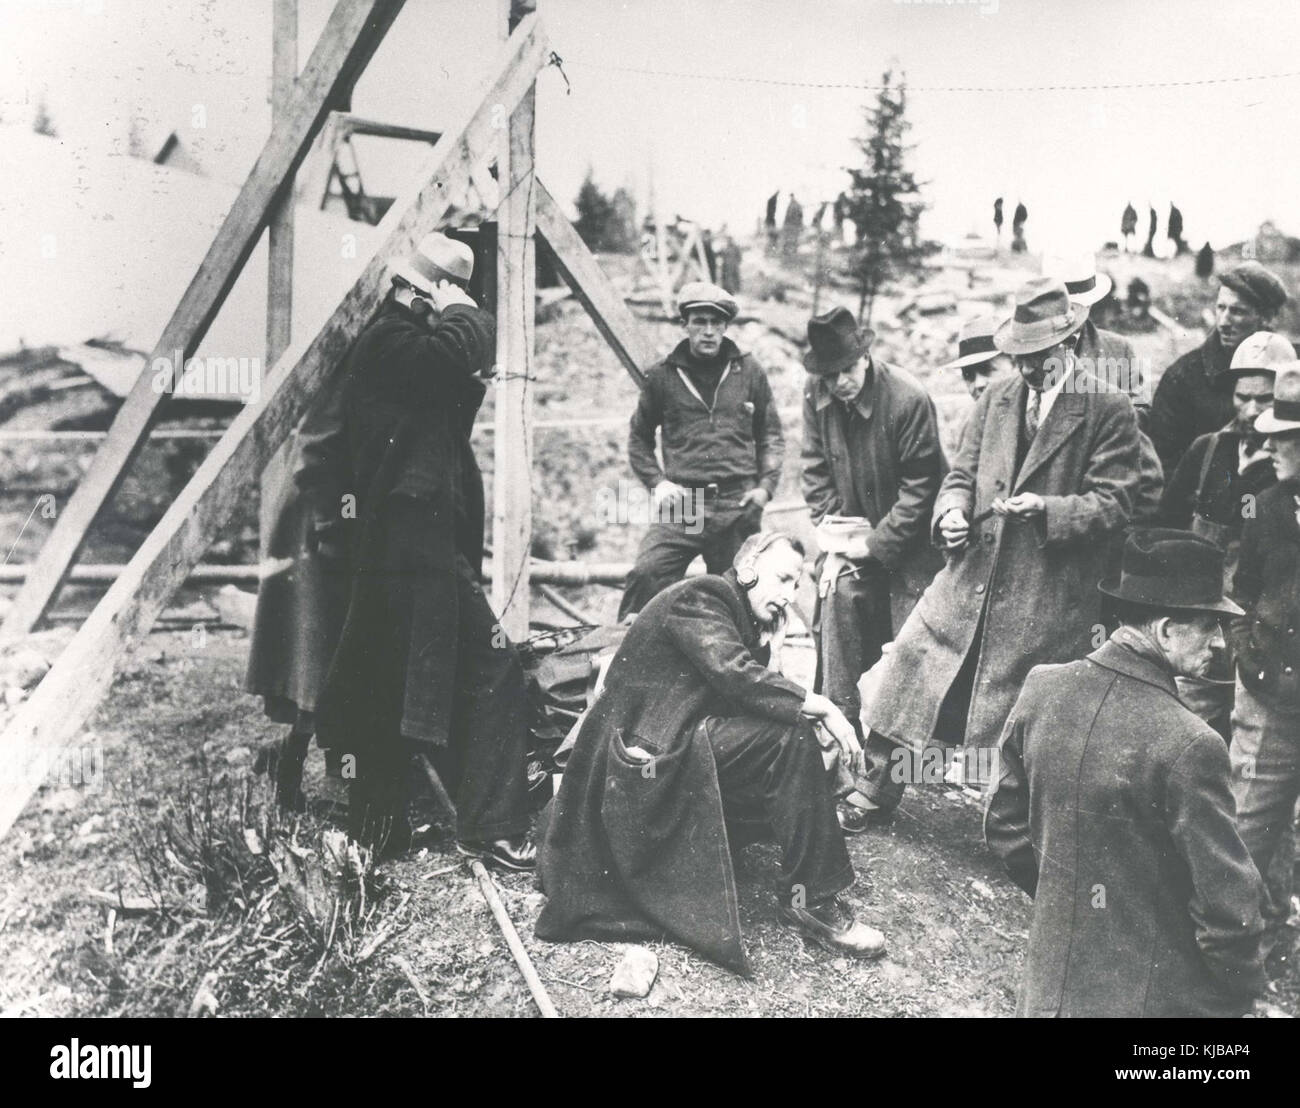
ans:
(865, 401)
(1121, 659)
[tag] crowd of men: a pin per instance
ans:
(1094, 599)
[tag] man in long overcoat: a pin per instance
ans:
(1113, 810)
(871, 453)
(1046, 474)
(695, 739)
(423, 666)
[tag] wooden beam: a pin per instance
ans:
(604, 303)
(279, 267)
(49, 720)
(512, 486)
(351, 35)
(347, 123)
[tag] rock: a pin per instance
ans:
(90, 827)
(14, 696)
(635, 973)
(240, 756)
(61, 800)
(981, 888)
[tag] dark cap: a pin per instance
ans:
(1254, 283)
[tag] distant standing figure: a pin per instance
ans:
(1018, 228)
(1128, 226)
(997, 218)
(1149, 250)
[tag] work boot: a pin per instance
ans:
(830, 923)
(854, 817)
(519, 853)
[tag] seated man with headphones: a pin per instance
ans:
(694, 742)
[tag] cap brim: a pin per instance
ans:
(410, 275)
(1006, 345)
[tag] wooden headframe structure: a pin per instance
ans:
(60, 705)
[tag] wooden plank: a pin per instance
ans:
(50, 719)
(279, 269)
(602, 300)
(512, 488)
(350, 36)
(347, 123)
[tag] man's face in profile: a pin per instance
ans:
(778, 569)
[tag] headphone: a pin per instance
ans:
(748, 554)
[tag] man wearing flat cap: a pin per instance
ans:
(1112, 809)
(722, 448)
(422, 667)
(1266, 641)
(872, 465)
(1194, 396)
(1045, 476)
(1217, 486)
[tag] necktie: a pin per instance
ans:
(1031, 413)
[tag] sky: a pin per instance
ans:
(727, 118)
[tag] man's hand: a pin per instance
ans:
(954, 529)
(830, 717)
(759, 497)
(667, 491)
(1023, 505)
(447, 293)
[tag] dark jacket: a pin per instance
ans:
(879, 458)
(1266, 640)
(738, 440)
(412, 396)
(1220, 497)
(638, 853)
(1194, 397)
(1113, 811)
(1031, 586)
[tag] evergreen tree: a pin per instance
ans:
(883, 199)
(604, 223)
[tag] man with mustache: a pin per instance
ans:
(694, 746)
(1112, 809)
(1194, 396)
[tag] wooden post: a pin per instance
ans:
(592, 288)
(50, 718)
(347, 42)
(279, 267)
(512, 488)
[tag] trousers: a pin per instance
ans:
(771, 773)
(668, 549)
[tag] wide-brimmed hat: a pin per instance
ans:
(1172, 571)
(437, 258)
(1082, 281)
(1044, 316)
(1284, 415)
(1261, 352)
(975, 342)
(1257, 285)
(835, 342)
(705, 294)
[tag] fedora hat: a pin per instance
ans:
(1261, 352)
(1172, 571)
(1082, 281)
(835, 342)
(1284, 415)
(975, 342)
(1044, 316)
(437, 258)
(705, 294)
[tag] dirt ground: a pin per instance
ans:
(956, 927)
